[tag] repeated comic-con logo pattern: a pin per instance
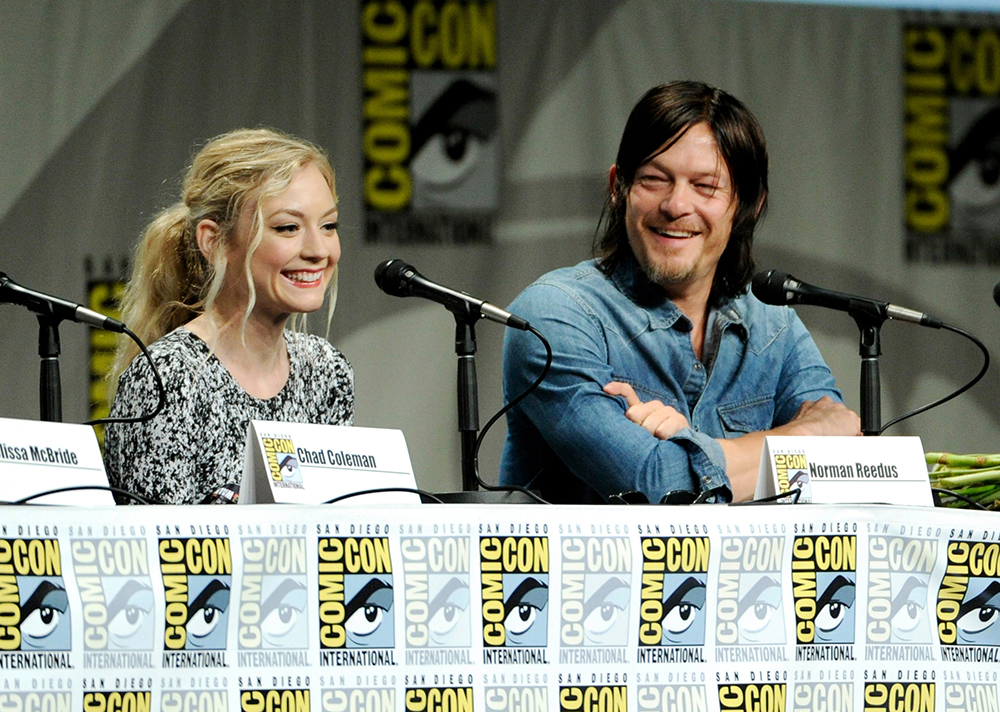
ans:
(197, 578)
(515, 595)
(968, 602)
(824, 578)
(749, 610)
(596, 587)
(34, 606)
(673, 595)
(355, 600)
(437, 611)
(273, 600)
(116, 600)
(899, 570)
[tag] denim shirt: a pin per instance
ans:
(572, 441)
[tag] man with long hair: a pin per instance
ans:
(667, 373)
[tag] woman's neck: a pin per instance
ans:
(255, 355)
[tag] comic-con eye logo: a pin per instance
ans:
(273, 595)
(823, 588)
(34, 607)
(757, 697)
(749, 608)
(515, 590)
(115, 592)
(594, 698)
(899, 696)
(674, 578)
(596, 585)
(898, 579)
(436, 575)
(282, 463)
(355, 593)
(197, 576)
(968, 602)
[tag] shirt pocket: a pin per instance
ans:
(749, 416)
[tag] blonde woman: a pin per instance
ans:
(218, 276)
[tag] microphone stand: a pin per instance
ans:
(468, 395)
(49, 384)
(869, 318)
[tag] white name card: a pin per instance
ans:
(845, 470)
(37, 456)
(302, 463)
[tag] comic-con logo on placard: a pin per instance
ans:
(594, 605)
(760, 697)
(792, 472)
(672, 599)
(898, 622)
(899, 696)
(515, 594)
(750, 623)
(34, 607)
(594, 698)
(355, 601)
(968, 603)
(197, 577)
(809, 696)
(282, 462)
(273, 628)
(952, 130)
(116, 597)
(823, 579)
(438, 628)
(430, 111)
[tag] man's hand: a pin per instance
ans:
(661, 420)
(823, 417)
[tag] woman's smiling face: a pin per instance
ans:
(299, 248)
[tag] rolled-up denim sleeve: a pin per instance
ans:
(584, 426)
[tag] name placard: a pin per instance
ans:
(845, 470)
(303, 463)
(37, 456)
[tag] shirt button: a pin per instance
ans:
(695, 428)
(697, 366)
(706, 480)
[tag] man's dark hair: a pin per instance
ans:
(658, 121)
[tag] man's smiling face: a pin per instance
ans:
(680, 213)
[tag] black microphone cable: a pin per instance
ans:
(161, 391)
(75, 488)
(953, 394)
(524, 394)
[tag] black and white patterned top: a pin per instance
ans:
(196, 444)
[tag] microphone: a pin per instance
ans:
(779, 288)
(398, 279)
(996, 294)
(45, 305)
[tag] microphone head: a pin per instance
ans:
(996, 293)
(769, 287)
(392, 277)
